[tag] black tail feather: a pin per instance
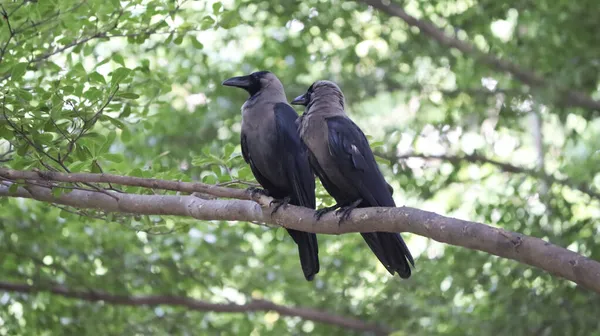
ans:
(392, 252)
(308, 249)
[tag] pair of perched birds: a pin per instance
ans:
(283, 150)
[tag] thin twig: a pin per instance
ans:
(507, 167)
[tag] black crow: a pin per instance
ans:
(340, 155)
(277, 157)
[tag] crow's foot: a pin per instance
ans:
(321, 212)
(347, 209)
(280, 203)
(257, 191)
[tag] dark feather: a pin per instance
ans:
(262, 180)
(295, 156)
(301, 179)
(290, 157)
(350, 149)
(272, 147)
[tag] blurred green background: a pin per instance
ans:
(133, 88)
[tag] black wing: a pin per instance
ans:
(294, 158)
(262, 180)
(351, 151)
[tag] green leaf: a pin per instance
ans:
(79, 70)
(24, 95)
(68, 89)
(128, 95)
(126, 111)
(63, 214)
(216, 7)
(77, 48)
(52, 67)
(118, 123)
(207, 22)
(228, 150)
(137, 172)
(197, 44)
(382, 160)
(376, 144)
(95, 167)
(199, 161)
(125, 135)
(95, 77)
(245, 174)
(104, 61)
(119, 75)
(178, 40)
(44, 138)
(82, 152)
(98, 140)
(23, 150)
(18, 70)
(13, 188)
(5, 132)
(76, 166)
(211, 178)
(169, 39)
(229, 19)
(110, 139)
(93, 94)
(57, 192)
(117, 158)
(118, 59)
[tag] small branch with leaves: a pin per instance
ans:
(503, 166)
(254, 305)
(568, 97)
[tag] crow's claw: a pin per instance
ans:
(346, 210)
(321, 212)
(254, 191)
(280, 203)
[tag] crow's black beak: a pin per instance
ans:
(300, 100)
(243, 82)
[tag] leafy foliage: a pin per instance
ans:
(133, 88)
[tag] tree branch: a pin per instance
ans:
(506, 167)
(189, 187)
(472, 91)
(572, 97)
(156, 300)
(104, 34)
(528, 250)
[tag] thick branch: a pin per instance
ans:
(472, 235)
(506, 167)
(572, 98)
(198, 305)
